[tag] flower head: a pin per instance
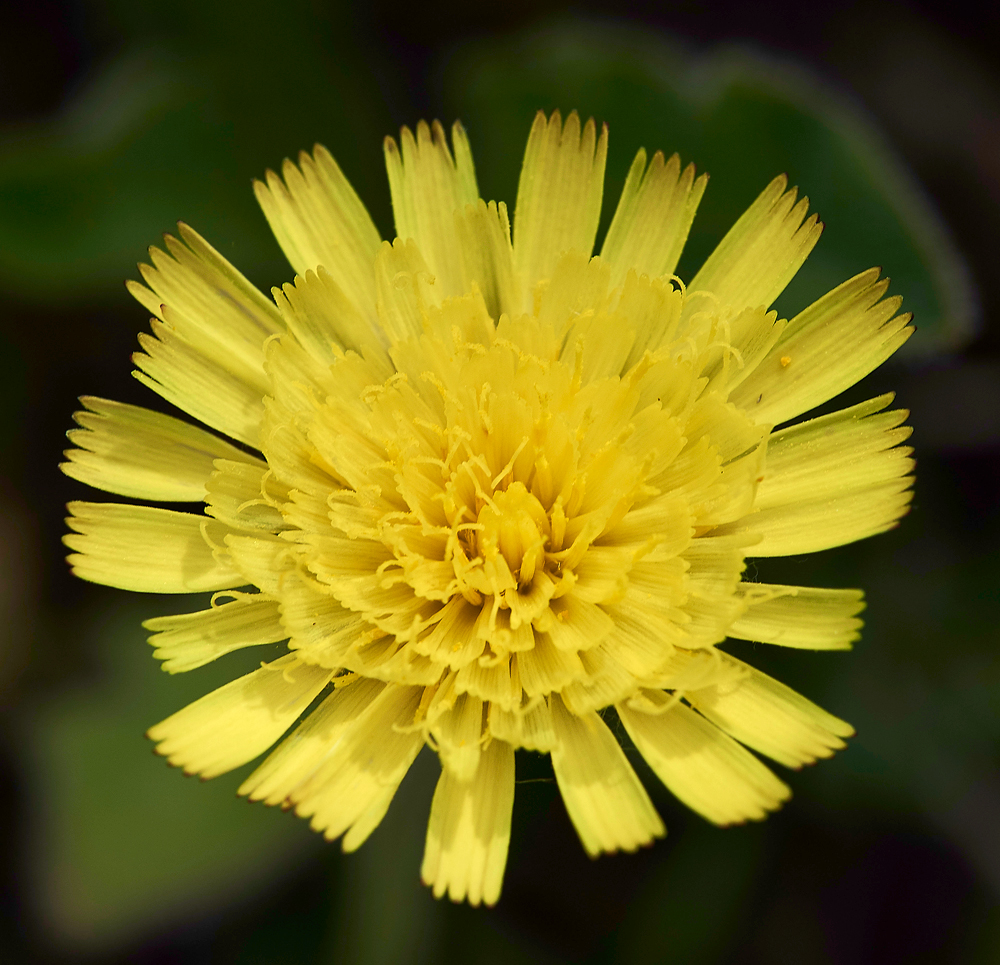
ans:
(487, 487)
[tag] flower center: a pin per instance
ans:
(514, 531)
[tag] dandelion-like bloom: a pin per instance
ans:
(488, 488)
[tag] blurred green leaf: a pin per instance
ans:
(175, 129)
(743, 118)
(702, 883)
(122, 843)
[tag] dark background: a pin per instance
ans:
(117, 119)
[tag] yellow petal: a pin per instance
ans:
(458, 733)
(452, 641)
(702, 766)
(136, 452)
(498, 681)
(406, 288)
(653, 217)
(546, 669)
(240, 720)
(318, 219)
(576, 284)
(608, 806)
(529, 727)
(484, 239)
(808, 527)
(292, 456)
(322, 631)
(653, 309)
(606, 683)
(558, 195)
(428, 187)
(825, 349)
(209, 298)
(189, 640)
(749, 338)
(806, 617)
(770, 717)
(261, 559)
(194, 382)
(356, 781)
(574, 624)
(324, 319)
(469, 829)
(302, 752)
(245, 496)
(831, 481)
(760, 254)
(147, 550)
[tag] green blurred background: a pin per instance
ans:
(119, 118)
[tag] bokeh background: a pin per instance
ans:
(118, 118)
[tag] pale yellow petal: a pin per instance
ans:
(369, 819)
(682, 671)
(261, 559)
(759, 255)
(498, 681)
(469, 830)
(147, 550)
(428, 187)
(240, 720)
(319, 219)
(484, 238)
(364, 769)
(806, 617)
(406, 288)
(558, 195)
(653, 217)
(575, 284)
(302, 752)
(458, 734)
(747, 340)
(606, 683)
(322, 631)
(529, 727)
(831, 481)
(189, 640)
(807, 527)
(136, 452)
(546, 669)
(606, 802)
(770, 717)
(323, 319)
(290, 453)
(464, 318)
(207, 300)
(573, 624)
(825, 349)
(652, 307)
(705, 768)
(245, 496)
(175, 369)
(599, 343)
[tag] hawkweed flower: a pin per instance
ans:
(487, 486)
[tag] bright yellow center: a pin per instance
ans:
(514, 532)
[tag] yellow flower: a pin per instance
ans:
(487, 489)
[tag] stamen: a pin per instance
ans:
(510, 463)
(446, 394)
